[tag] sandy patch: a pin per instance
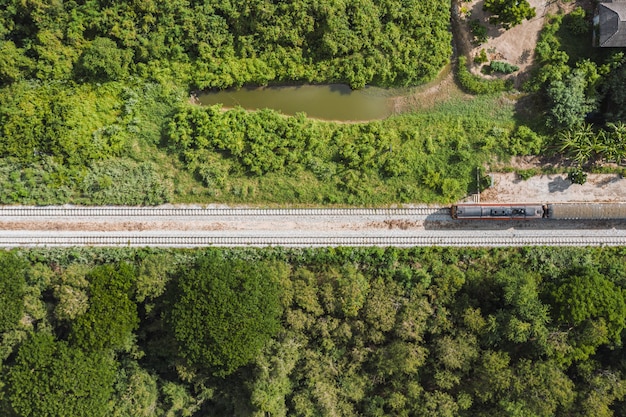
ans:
(515, 46)
(508, 187)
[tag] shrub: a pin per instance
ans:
(477, 85)
(478, 31)
(509, 13)
(577, 176)
(481, 57)
(502, 67)
(526, 174)
(525, 142)
(576, 21)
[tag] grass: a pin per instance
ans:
(433, 154)
(428, 156)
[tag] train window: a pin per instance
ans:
(521, 212)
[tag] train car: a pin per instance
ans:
(586, 211)
(497, 211)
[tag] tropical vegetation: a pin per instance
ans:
(300, 332)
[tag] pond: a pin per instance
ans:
(327, 102)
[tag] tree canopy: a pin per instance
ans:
(509, 13)
(51, 378)
(111, 318)
(12, 288)
(211, 43)
(335, 331)
(225, 312)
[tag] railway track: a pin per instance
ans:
(77, 211)
(61, 239)
(189, 227)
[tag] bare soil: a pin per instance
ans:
(515, 46)
(508, 187)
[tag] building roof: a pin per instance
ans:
(612, 23)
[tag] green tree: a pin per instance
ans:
(569, 101)
(104, 61)
(112, 316)
(13, 63)
(50, 378)
(225, 312)
(12, 288)
(272, 384)
(136, 393)
(509, 13)
(591, 308)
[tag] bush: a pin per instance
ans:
(509, 13)
(576, 21)
(502, 67)
(577, 176)
(526, 174)
(525, 142)
(477, 85)
(478, 31)
(481, 58)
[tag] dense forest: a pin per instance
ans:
(209, 43)
(328, 332)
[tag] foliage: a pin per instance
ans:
(73, 124)
(576, 21)
(526, 174)
(239, 155)
(111, 318)
(12, 287)
(570, 103)
(583, 145)
(481, 57)
(509, 13)
(102, 60)
(613, 89)
(479, 32)
(225, 312)
(363, 331)
(577, 176)
(123, 182)
(212, 44)
(51, 378)
(592, 304)
(478, 85)
(502, 67)
(74, 162)
(136, 392)
(525, 141)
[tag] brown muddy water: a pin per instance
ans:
(327, 102)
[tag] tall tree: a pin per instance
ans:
(112, 316)
(509, 13)
(225, 312)
(52, 379)
(12, 286)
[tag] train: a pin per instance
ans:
(537, 211)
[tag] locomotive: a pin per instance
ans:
(554, 211)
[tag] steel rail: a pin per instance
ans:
(136, 240)
(114, 211)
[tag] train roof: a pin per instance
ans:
(587, 211)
